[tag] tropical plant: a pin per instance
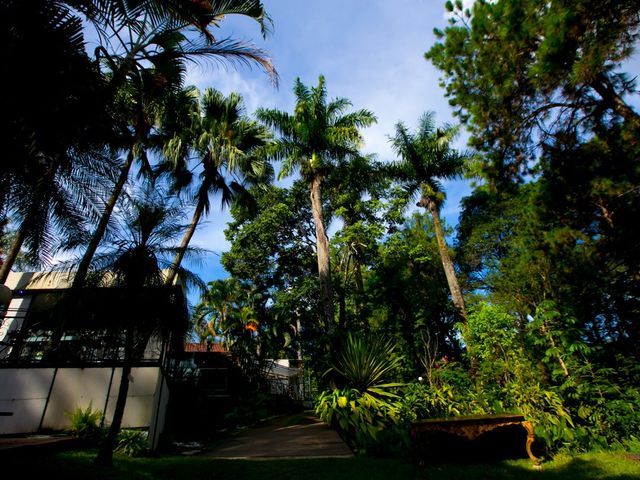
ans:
(144, 50)
(366, 363)
(426, 158)
(133, 262)
(364, 425)
(53, 135)
(225, 141)
(363, 401)
(85, 424)
(212, 316)
(132, 443)
(311, 140)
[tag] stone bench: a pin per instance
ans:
(471, 427)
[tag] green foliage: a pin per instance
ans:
(421, 401)
(85, 424)
(541, 368)
(368, 424)
(559, 69)
(272, 256)
(132, 443)
(364, 408)
(365, 363)
(409, 297)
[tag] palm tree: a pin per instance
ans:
(145, 47)
(216, 305)
(225, 142)
(426, 157)
(133, 262)
(311, 140)
(49, 130)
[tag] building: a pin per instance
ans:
(61, 350)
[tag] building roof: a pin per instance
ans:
(204, 347)
(51, 280)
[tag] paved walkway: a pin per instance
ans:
(296, 436)
(291, 436)
(34, 444)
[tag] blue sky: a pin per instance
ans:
(371, 52)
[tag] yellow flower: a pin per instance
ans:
(342, 402)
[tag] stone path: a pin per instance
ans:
(34, 444)
(299, 436)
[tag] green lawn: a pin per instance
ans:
(78, 465)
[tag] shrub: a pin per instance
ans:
(364, 409)
(133, 443)
(367, 424)
(85, 424)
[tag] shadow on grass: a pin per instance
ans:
(607, 466)
(79, 465)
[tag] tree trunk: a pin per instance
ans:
(362, 312)
(602, 85)
(563, 365)
(14, 249)
(105, 454)
(186, 239)
(342, 308)
(322, 252)
(83, 267)
(71, 297)
(447, 264)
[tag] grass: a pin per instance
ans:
(79, 465)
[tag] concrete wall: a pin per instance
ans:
(32, 399)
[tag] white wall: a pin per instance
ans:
(24, 392)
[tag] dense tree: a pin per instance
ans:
(311, 140)
(272, 255)
(426, 158)
(357, 190)
(563, 238)
(52, 133)
(518, 70)
(408, 295)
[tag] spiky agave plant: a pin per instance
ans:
(367, 364)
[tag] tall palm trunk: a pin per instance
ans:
(83, 267)
(71, 297)
(322, 252)
(447, 264)
(14, 249)
(38, 202)
(186, 239)
(105, 454)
